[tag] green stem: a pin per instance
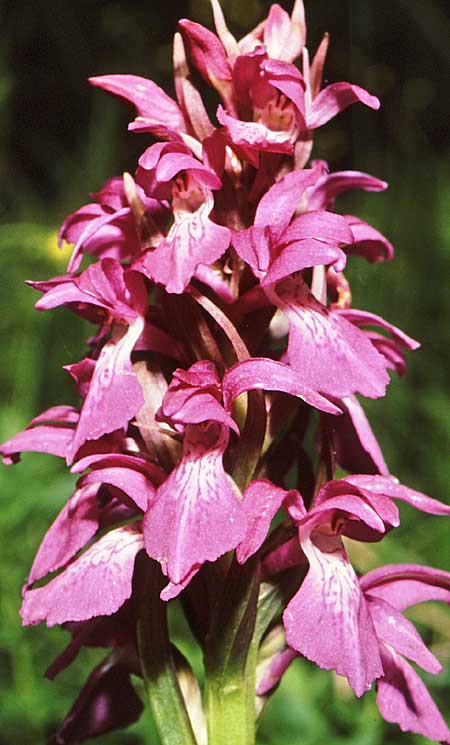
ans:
(230, 661)
(158, 667)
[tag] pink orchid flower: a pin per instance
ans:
(107, 228)
(402, 697)
(105, 293)
(193, 239)
(217, 395)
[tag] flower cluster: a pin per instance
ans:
(224, 334)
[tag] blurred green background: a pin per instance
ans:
(61, 140)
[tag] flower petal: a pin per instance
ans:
(394, 629)
(365, 318)
(284, 37)
(254, 134)
(403, 699)
(172, 163)
(106, 702)
(206, 52)
(45, 439)
(115, 395)
(196, 515)
(367, 241)
(150, 100)
(328, 620)
(279, 203)
(95, 584)
(331, 185)
(357, 449)
(403, 585)
(130, 481)
(74, 527)
(266, 374)
(321, 342)
(335, 98)
(262, 500)
(302, 255)
(254, 247)
(173, 589)
(391, 486)
(192, 240)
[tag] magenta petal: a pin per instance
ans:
(266, 374)
(153, 472)
(403, 699)
(108, 284)
(280, 202)
(202, 407)
(390, 486)
(193, 396)
(368, 242)
(321, 342)
(254, 134)
(98, 232)
(284, 37)
(75, 224)
(392, 628)
(246, 73)
(74, 527)
(336, 97)
(50, 438)
(172, 163)
(95, 584)
(57, 414)
(328, 620)
(151, 156)
(403, 585)
(357, 449)
(262, 500)
(275, 670)
(117, 238)
(82, 373)
(102, 285)
(200, 375)
(141, 124)
(44, 439)
(391, 351)
(132, 482)
(209, 277)
(342, 494)
(192, 240)
(173, 589)
(365, 318)
(150, 100)
(107, 701)
(302, 255)
(206, 51)
(197, 514)
(286, 556)
(254, 246)
(287, 79)
(319, 224)
(112, 194)
(331, 185)
(62, 292)
(115, 395)
(353, 504)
